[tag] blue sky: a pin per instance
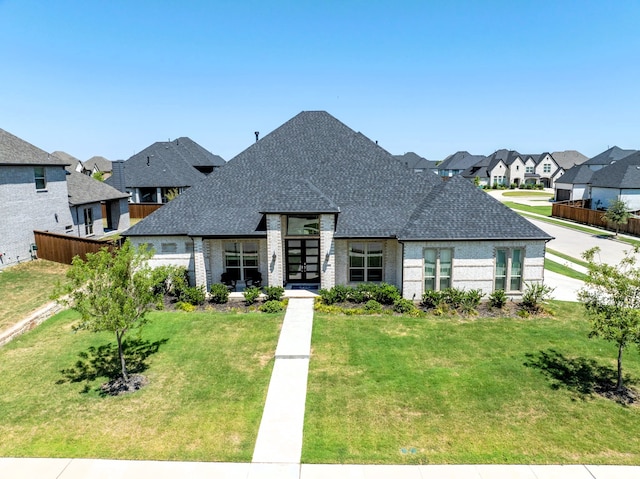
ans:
(111, 77)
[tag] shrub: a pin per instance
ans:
(362, 293)
(251, 295)
(403, 306)
(182, 306)
(169, 279)
(372, 306)
(535, 295)
(341, 293)
(431, 299)
(327, 296)
(219, 293)
(385, 293)
(274, 293)
(470, 300)
(498, 299)
(272, 306)
(453, 297)
(192, 295)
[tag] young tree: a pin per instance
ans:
(112, 291)
(611, 297)
(617, 214)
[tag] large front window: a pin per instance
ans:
(303, 225)
(509, 269)
(437, 268)
(241, 259)
(365, 261)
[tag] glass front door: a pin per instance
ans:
(303, 260)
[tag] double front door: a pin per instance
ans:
(303, 260)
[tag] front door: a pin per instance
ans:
(303, 260)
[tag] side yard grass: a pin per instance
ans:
(400, 390)
(540, 210)
(25, 287)
(208, 378)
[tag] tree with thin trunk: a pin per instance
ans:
(611, 297)
(112, 291)
(617, 214)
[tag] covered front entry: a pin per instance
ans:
(303, 260)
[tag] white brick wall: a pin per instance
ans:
(275, 267)
(182, 257)
(327, 252)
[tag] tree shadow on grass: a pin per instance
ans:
(103, 362)
(584, 377)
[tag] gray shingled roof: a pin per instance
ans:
(15, 151)
(415, 161)
(72, 161)
(100, 162)
(580, 174)
(609, 156)
(83, 189)
(568, 158)
(315, 163)
(624, 173)
(460, 160)
(168, 164)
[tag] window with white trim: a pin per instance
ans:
(240, 259)
(88, 221)
(509, 265)
(528, 169)
(438, 264)
(365, 261)
(546, 168)
(40, 178)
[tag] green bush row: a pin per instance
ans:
(382, 293)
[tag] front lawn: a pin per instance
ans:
(399, 390)
(26, 287)
(528, 193)
(544, 210)
(208, 378)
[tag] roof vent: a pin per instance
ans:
(257, 133)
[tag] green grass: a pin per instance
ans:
(563, 270)
(528, 193)
(26, 287)
(577, 261)
(207, 386)
(539, 210)
(399, 390)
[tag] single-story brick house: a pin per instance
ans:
(315, 202)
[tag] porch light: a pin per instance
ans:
(273, 256)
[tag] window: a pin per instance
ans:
(303, 225)
(437, 268)
(517, 167)
(168, 247)
(88, 221)
(241, 259)
(509, 269)
(528, 169)
(498, 180)
(41, 180)
(365, 261)
(546, 168)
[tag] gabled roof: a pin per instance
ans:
(98, 163)
(83, 189)
(507, 156)
(624, 173)
(460, 160)
(579, 174)
(415, 161)
(314, 163)
(568, 158)
(72, 161)
(15, 151)
(168, 164)
(609, 156)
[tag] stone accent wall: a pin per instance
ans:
(275, 251)
(200, 271)
(327, 252)
(473, 264)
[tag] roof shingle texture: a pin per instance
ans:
(83, 189)
(15, 151)
(315, 163)
(624, 173)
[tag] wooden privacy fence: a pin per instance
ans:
(142, 210)
(592, 217)
(62, 248)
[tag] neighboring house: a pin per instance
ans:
(458, 162)
(315, 203)
(417, 163)
(618, 181)
(74, 163)
(98, 164)
(607, 158)
(162, 167)
(574, 184)
(37, 192)
(87, 197)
